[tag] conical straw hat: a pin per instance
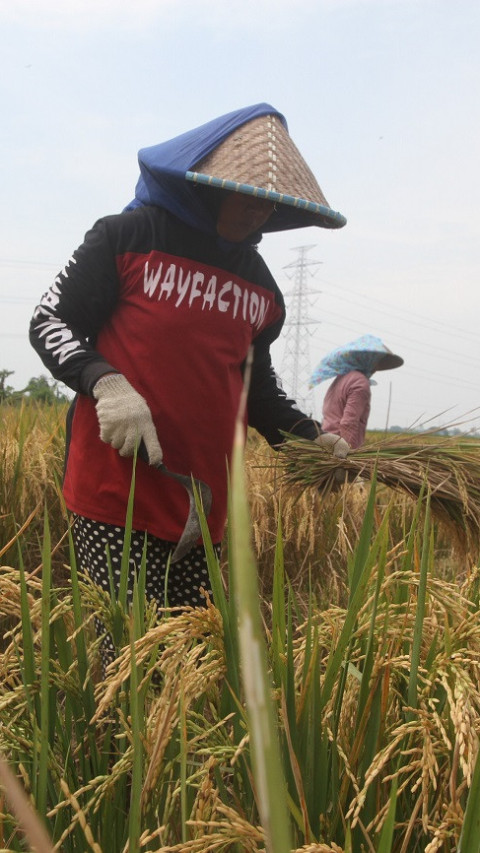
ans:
(259, 158)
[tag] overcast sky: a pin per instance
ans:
(381, 98)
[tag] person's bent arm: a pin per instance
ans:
(67, 319)
(270, 410)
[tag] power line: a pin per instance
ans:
(19, 300)
(440, 377)
(15, 335)
(441, 352)
(14, 262)
(454, 382)
(420, 372)
(412, 316)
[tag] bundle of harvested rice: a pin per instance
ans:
(448, 467)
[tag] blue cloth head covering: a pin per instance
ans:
(366, 354)
(164, 167)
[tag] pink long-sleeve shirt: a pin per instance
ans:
(347, 406)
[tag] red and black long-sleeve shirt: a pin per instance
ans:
(175, 312)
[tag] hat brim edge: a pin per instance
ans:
(389, 361)
(336, 219)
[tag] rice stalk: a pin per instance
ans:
(413, 759)
(264, 746)
(32, 826)
(80, 818)
(469, 841)
(449, 466)
(225, 829)
(31, 454)
(444, 725)
(136, 709)
(44, 732)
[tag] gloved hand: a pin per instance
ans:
(125, 418)
(338, 445)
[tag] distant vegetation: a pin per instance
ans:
(41, 389)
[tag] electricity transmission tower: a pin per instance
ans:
(296, 368)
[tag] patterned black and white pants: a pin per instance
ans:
(186, 577)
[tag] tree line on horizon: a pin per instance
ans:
(41, 389)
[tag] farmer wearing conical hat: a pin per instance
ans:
(151, 322)
(346, 406)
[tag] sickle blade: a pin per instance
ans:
(192, 530)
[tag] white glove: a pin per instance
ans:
(125, 418)
(338, 445)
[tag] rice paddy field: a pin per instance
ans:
(327, 699)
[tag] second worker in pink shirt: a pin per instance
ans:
(346, 406)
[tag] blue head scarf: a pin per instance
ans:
(363, 354)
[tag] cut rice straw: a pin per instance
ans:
(448, 467)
